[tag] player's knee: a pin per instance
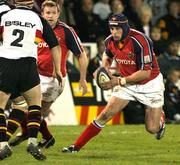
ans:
(21, 104)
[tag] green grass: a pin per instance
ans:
(115, 145)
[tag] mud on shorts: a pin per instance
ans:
(50, 88)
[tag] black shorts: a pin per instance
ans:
(18, 76)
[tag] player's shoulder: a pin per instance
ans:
(135, 33)
(66, 27)
(3, 12)
(24, 12)
(138, 36)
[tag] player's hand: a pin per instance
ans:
(107, 85)
(110, 84)
(83, 86)
(48, 114)
(95, 72)
(59, 76)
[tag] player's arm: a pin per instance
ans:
(106, 60)
(138, 76)
(1, 26)
(83, 70)
(107, 57)
(51, 40)
(132, 79)
(74, 44)
(144, 51)
(1, 32)
(56, 55)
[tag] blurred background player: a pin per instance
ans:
(172, 96)
(140, 80)
(22, 30)
(50, 89)
(159, 44)
(170, 57)
(170, 23)
(96, 62)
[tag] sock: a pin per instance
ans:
(3, 144)
(14, 120)
(33, 141)
(34, 119)
(3, 127)
(24, 124)
(92, 130)
(44, 130)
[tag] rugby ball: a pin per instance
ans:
(102, 76)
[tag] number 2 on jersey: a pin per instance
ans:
(20, 34)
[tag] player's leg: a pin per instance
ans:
(14, 121)
(9, 80)
(151, 94)
(152, 119)
(155, 121)
(50, 90)
(18, 117)
(47, 138)
(5, 150)
(114, 105)
(33, 99)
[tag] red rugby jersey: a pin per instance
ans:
(68, 40)
(134, 53)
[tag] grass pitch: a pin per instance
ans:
(115, 145)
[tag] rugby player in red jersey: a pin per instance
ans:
(140, 80)
(68, 41)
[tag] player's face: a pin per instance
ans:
(51, 14)
(116, 32)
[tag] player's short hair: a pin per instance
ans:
(49, 3)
